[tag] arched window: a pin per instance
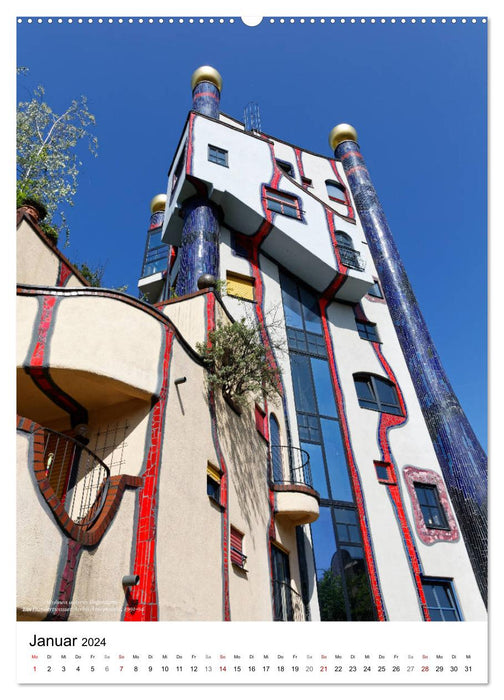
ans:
(344, 239)
(377, 394)
(336, 191)
(276, 450)
(349, 256)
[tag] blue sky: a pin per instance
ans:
(415, 92)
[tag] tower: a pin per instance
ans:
(341, 496)
(361, 380)
(460, 455)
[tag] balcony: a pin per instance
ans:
(287, 603)
(76, 485)
(77, 477)
(351, 258)
(290, 476)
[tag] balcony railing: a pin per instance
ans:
(351, 258)
(288, 604)
(78, 477)
(290, 465)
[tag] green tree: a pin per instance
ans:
(238, 363)
(331, 598)
(47, 154)
(93, 276)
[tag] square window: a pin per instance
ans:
(217, 155)
(441, 601)
(336, 191)
(306, 182)
(384, 472)
(367, 331)
(240, 286)
(236, 540)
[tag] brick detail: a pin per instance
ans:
(86, 534)
(296, 488)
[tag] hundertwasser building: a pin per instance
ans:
(145, 493)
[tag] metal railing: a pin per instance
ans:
(290, 465)
(78, 477)
(288, 604)
(351, 258)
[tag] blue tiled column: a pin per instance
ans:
(206, 98)
(459, 453)
(199, 253)
(206, 85)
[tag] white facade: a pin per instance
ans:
(407, 560)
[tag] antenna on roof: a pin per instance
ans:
(251, 117)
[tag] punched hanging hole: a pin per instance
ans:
(252, 21)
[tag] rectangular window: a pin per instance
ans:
(261, 422)
(286, 167)
(347, 526)
(178, 172)
(375, 290)
(238, 250)
(283, 203)
(282, 591)
(430, 505)
(441, 601)
(240, 286)
(367, 331)
(306, 181)
(217, 155)
(336, 191)
(237, 555)
(59, 456)
(213, 482)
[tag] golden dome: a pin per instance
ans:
(340, 133)
(206, 74)
(158, 203)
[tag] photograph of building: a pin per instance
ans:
(353, 490)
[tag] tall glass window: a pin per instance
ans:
(342, 580)
(156, 254)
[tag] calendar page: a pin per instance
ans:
(251, 359)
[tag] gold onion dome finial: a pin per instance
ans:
(340, 133)
(206, 74)
(158, 203)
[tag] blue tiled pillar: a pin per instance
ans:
(460, 455)
(199, 253)
(206, 85)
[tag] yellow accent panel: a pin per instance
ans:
(213, 472)
(240, 286)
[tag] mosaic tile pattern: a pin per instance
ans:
(226, 607)
(460, 455)
(206, 99)
(199, 253)
(144, 606)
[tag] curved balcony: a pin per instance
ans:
(82, 338)
(79, 479)
(76, 485)
(291, 480)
